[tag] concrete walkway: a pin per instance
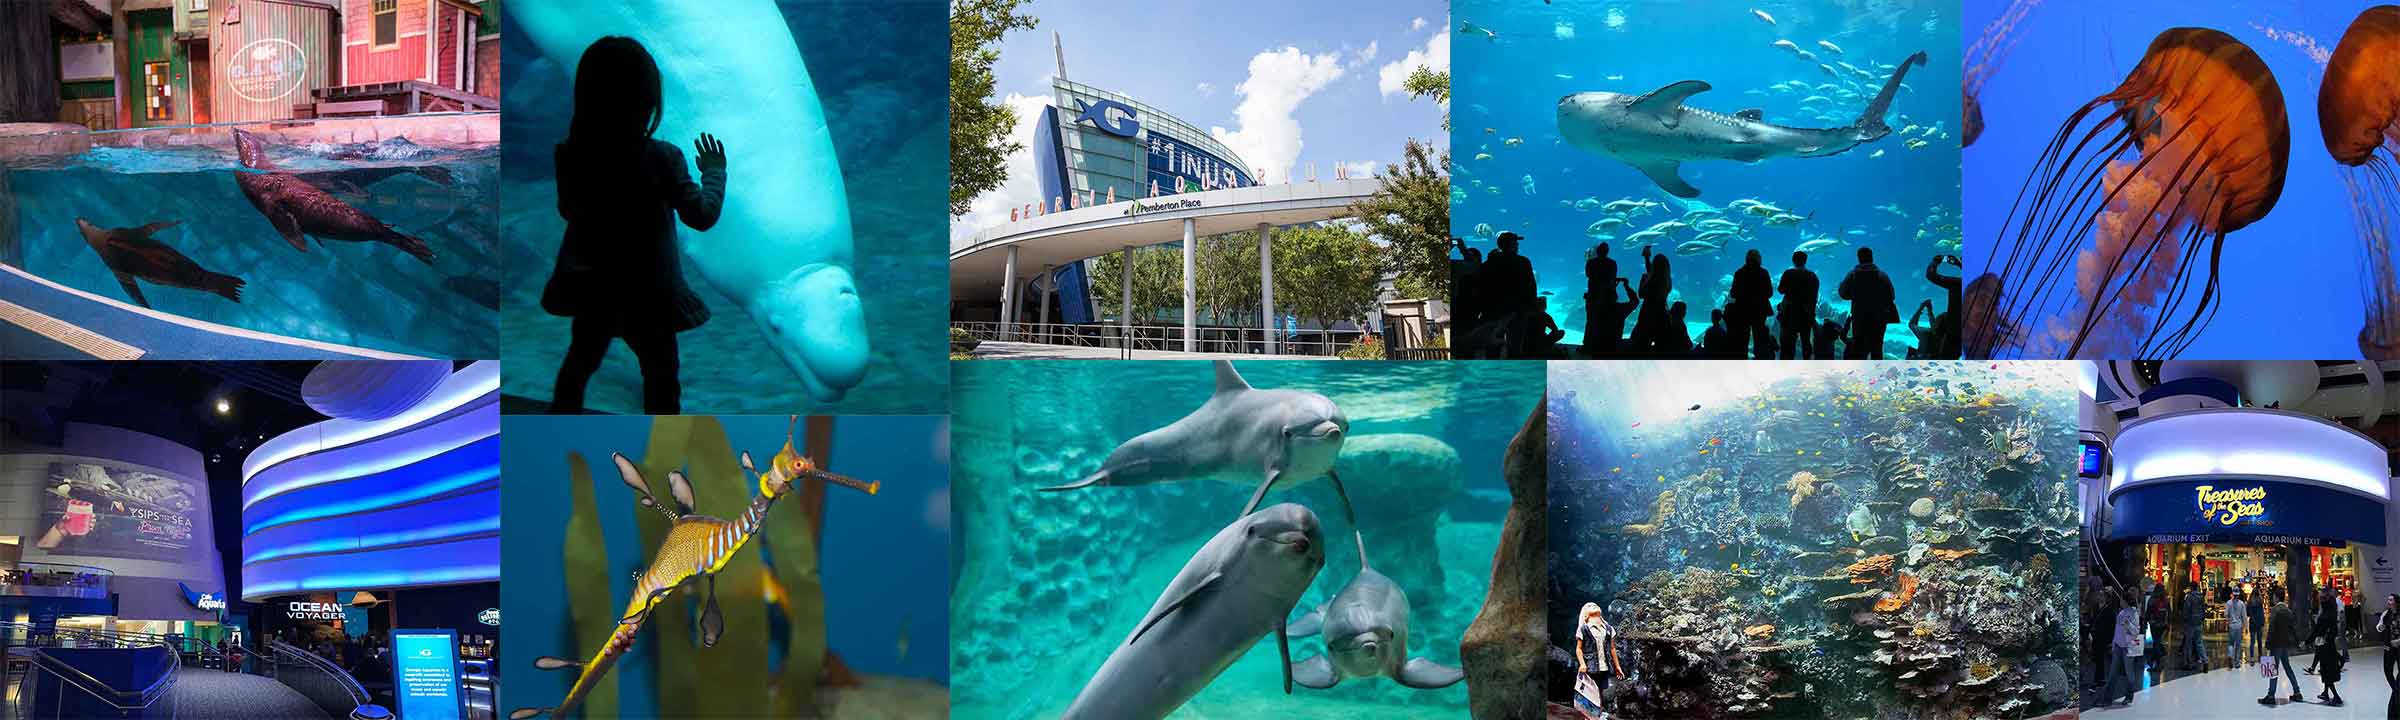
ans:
(2234, 693)
(1038, 351)
(217, 695)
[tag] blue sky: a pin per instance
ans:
(1289, 82)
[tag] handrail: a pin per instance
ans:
(56, 580)
(122, 701)
(1169, 338)
(284, 653)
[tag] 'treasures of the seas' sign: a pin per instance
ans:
(2228, 506)
(2249, 510)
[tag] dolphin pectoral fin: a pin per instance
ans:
(1424, 674)
(1349, 516)
(1261, 494)
(815, 322)
(712, 621)
(1228, 379)
(132, 290)
(1663, 102)
(1170, 607)
(1283, 644)
(1315, 673)
(1309, 624)
(1663, 173)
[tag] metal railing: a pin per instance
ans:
(51, 580)
(1160, 338)
(73, 682)
(316, 678)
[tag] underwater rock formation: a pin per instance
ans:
(1413, 477)
(1503, 650)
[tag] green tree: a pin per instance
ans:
(979, 123)
(1411, 214)
(1326, 274)
(1424, 82)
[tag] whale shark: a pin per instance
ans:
(781, 248)
(1656, 133)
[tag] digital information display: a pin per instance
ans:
(107, 509)
(2095, 459)
(425, 674)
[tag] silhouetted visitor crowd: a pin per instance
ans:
(1498, 312)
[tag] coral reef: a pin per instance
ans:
(1896, 556)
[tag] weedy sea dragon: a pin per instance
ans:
(696, 548)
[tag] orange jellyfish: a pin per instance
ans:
(2193, 147)
(1983, 59)
(2358, 108)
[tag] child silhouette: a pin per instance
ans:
(619, 272)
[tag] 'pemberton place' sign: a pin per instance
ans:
(1137, 207)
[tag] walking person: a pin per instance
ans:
(2326, 636)
(2125, 654)
(2258, 622)
(2279, 646)
(2235, 615)
(2387, 632)
(2194, 610)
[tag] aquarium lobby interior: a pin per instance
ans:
(220, 540)
(2240, 477)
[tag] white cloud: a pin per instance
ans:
(1268, 135)
(1362, 168)
(1021, 187)
(1366, 54)
(1435, 55)
(1205, 89)
(1416, 24)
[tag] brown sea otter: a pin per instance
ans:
(299, 209)
(132, 253)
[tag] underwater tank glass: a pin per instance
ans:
(1819, 540)
(369, 295)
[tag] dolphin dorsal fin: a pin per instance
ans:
(1752, 114)
(1229, 380)
(1663, 101)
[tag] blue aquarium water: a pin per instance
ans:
(884, 566)
(1897, 195)
(1050, 583)
(2293, 284)
(1819, 540)
(878, 72)
(362, 294)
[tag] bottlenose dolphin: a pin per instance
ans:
(1239, 586)
(1657, 133)
(782, 246)
(133, 253)
(1240, 434)
(1366, 635)
(299, 209)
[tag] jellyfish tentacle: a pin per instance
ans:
(2088, 205)
(2096, 307)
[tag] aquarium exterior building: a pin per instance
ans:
(1093, 146)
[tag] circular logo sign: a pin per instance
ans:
(266, 70)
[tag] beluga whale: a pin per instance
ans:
(1656, 133)
(1241, 435)
(1236, 589)
(781, 247)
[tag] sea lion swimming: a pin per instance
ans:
(1238, 587)
(1240, 434)
(1366, 635)
(133, 253)
(299, 209)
